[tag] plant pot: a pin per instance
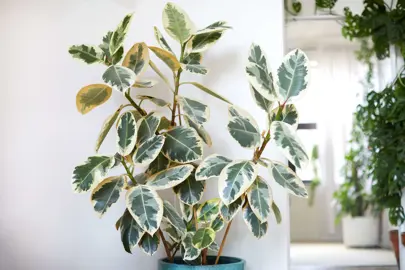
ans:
(395, 243)
(225, 263)
(360, 231)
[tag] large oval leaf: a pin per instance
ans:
(209, 210)
(137, 58)
(168, 58)
(131, 233)
(89, 54)
(149, 150)
(254, 224)
(107, 125)
(149, 244)
(228, 212)
(190, 252)
(200, 130)
(146, 207)
(286, 139)
(87, 175)
(190, 191)
(118, 36)
(91, 96)
(159, 164)
(127, 132)
(203, 238)
(161, 40)
(195, 68)
(170, 177)
(118, 77)
(187, 211)
(276, 212)
(293, 74)
(208, 91)
(148, 126)
(203, 41)
(217, 224)
(288, 115)
(183, 145)
(107, 193)
(286, 178)
(170, 214)
(197, 111)
(177, 23)
(243, 128)
(260, 198)
(211, 167)
(235, 179)
(260, 100)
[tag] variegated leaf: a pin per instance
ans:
(162, 41)
(165, 124)
(235, 179)
(254, 224)
(118, 77)
(182, 145)
(127, 133)
(200, 130)
(116, 58)
(105, 47)
(89, 54)
(140, 178)
(214, 247)
(243, 128)
(186, 211)
(149, 244)
(195, 68)
(118, 36)
(168, 58)
(170, 177)
(208, 91)
(218, 223)
(91, 96)
(107, 193)
(107, 125)
(146, 207)
(201, 42)
(148, 126)
(191, 253)
(197, 111)
(219, 26)
(149, 150)
(192, 59)
(190, 191)
(286, 139)
(177, 23)
(131, 233)
(137, 58)
(203, 238)
(260, 199)
(144, 83)
(209, 210)
(293, 74)
(159, 164)
(173, 233)
(157, 101)
(288, 115)
(276, 212)
(170, 215)
(87, 175)
(211, 167)
(230, 211)
(260, 100)
(286, 178)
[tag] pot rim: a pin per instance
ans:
(238, 261)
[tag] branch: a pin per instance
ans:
(223, 241)
(167, 249)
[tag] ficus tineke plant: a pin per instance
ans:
(168, 148)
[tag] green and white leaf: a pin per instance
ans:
(92, 96)
(117, 38)
(170, 215)
(260, 100)
(190, 191)
(286, 139)
(293, 74)
(131, 233)
(288, 115)
(161, 40)
(209, 210)
(276, 212)
(141, 178)
(87, 175)
(218, 223)
(197, 111)
(167, 57)
(144, 83)
(159, 164)
(200, 130)
(157, 101)
(87, 53)
(203, 238)
(182, 145)
(105, 47)
(219, 26)
(214, 247)
(149, 150)
(127, 133)
(149, 244)
(235, 179)
(186, 211)
(170, 177)
(286, 178)
(201, 42)
(107, 125)
(243, 128)
(119, 78)
(148, 126)
(107, 193)
(192, 59)
(137, 58)
(208, 91)
(195, 68)
(211, 167)
(173, 233)
(260, 198)
(191, 253)
(116, 58)
(254, 224)
(177, 23)
(230, 211)
(146, 207)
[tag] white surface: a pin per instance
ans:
(360, 231)
(43, 225)
(329, 255)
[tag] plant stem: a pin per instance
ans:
(174, 252)
(133, 103)
(177, 86)
(195, 218)
(228, 227)
(179, 115)
(204, 256)
(167, 249)
(128, 171)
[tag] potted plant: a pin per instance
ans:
(352, 199)
(167, 150)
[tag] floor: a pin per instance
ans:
(337, 257)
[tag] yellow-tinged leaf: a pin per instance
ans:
(137, 58)
(166, 57)
(92, 96)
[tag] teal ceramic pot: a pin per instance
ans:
(225, 263)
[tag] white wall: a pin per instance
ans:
(43, 225)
